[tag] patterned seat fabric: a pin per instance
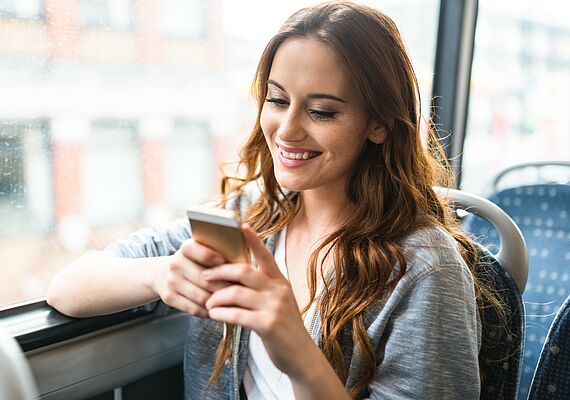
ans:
(552, 378)
(501, 349)
(542, 212)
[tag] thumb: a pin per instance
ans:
(264, 258)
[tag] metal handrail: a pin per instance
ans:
(537, 164)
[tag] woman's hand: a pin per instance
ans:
(181, 284)
(261, 299)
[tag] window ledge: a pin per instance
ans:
(35, 324)
(74, 358)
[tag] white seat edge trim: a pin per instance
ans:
(16, 380)
(512, 253)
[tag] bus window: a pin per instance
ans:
(520, 89)
(117, 113)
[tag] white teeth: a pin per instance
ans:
(299, 156)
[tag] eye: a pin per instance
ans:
(322, 115)
(277, 102)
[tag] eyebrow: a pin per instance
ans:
(310, 95)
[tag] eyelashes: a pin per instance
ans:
(277, 102)
(321, 115)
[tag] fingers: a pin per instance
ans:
(237, 296)
(182, 285)
(188, 270)
(183, 304)
(189, 291)
(234, 315)
(264, 258)
(184, 295)
(201, 254)
(243, 274)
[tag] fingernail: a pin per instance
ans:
(206, 274)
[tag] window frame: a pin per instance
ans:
(452, 77)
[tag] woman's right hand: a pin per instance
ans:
(180, 282)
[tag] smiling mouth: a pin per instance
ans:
(300, 155)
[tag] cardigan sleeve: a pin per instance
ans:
(431, 344)
(151, 242)
(166, 240)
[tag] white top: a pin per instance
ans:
(262, 380)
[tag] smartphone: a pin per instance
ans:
(220, 230)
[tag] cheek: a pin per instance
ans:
(264, 127)
(346, 142)
(267, 123)
(270, 121)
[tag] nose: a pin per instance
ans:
(291, 127)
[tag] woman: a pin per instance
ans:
(364, 288)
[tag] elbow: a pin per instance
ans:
(67, 288)
(55, 298)
(61, 299)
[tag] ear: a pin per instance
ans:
(377, 132)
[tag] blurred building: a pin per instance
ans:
(100, 98)
(114, 114)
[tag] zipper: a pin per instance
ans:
(313, 323)
(314, 326)
(235, 351)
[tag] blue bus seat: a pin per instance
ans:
(500, 357)
(542, 211)
(505, 275)
(552, 377)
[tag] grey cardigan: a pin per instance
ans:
(426, 333)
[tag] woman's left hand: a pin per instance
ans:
(261, 299)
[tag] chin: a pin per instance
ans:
(289, 185)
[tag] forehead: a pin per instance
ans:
(309, 65)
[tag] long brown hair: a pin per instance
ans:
(390, 187)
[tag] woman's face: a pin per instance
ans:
(313, 118)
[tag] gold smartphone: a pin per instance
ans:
(220, 230)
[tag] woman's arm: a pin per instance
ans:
(97, 284)
(148, 266)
